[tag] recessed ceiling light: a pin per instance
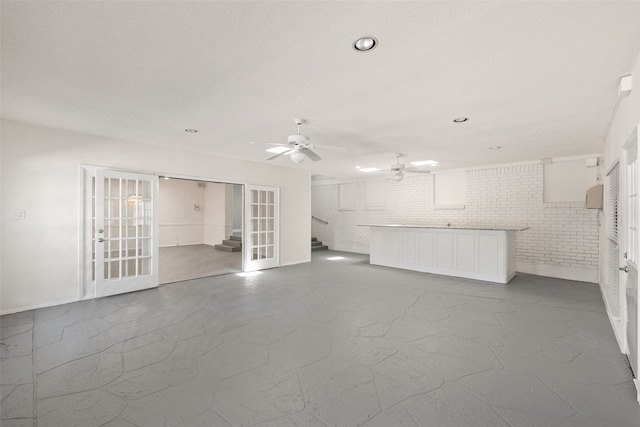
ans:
(460, 119)
(425, 163)
(190, 130)
(364, 44)
(495, 147)
(369, 169)
(278, 149)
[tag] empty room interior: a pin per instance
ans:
(280, 213)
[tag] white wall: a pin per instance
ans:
(624, 122)
(562, 240)
(41, 174)
(181, 209)
(215, 207)
(568, 181)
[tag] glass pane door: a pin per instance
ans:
(263, 234)
(631, 256)
(125, 232)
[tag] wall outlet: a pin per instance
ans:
(19, 214)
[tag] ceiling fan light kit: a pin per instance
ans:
(297, 157)
(299, 147)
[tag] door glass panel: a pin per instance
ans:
(262, 220)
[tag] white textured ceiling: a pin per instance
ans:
(538, 79)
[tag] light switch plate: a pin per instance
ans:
(19, 214)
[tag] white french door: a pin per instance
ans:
(631, 248)
(125, 230)
(263, 227)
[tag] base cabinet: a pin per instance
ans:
(475, 254)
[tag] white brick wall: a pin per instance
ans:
(561, 235)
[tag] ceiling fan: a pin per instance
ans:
(299, 147)
(399, 169)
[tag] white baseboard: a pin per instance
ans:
(616, 323)
(560, 272)
(37, 306)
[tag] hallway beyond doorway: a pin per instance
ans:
(179, 263)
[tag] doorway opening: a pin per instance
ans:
(199, 229)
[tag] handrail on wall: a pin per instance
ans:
(319, 220)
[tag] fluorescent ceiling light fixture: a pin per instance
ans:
(425, 163)
(364, 44)
(278, 149)
(190, 130)
(249, 274)
(335, 258)
(369, 169)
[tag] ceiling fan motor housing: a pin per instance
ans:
(299, 138)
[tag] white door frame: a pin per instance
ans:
(629, 257)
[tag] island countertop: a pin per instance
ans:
(451, 227)
(470, 251)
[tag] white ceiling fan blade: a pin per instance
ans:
(310, 154)
(281, 154)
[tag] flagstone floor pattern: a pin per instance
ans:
(326, 343)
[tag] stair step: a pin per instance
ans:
(228, 248)
(236, 238)
(314, 239)
(319, 248)
(232, 243)
(316, 243)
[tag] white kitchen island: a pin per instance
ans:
(471, 252)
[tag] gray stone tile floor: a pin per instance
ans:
(326, 343)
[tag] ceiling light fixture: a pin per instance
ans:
(297, 157)
(460, 119)
(495, 147)
(398, 176)
(364, 44)
(191, 130)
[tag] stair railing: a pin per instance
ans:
(319, 220)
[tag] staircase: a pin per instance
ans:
(233, 244)
(317, 245)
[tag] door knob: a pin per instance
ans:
(100, 240)
(625, 269)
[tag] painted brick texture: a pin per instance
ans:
(560, 234)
